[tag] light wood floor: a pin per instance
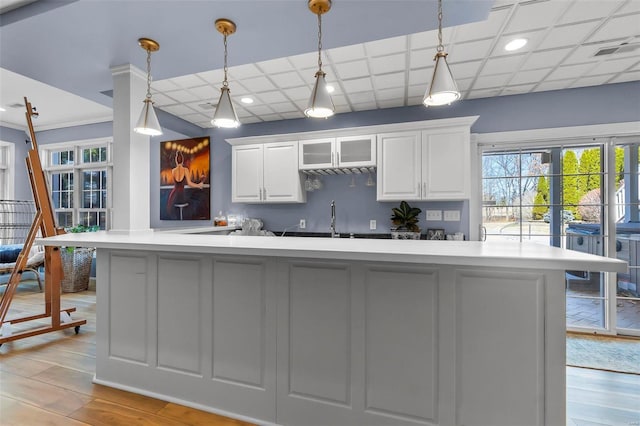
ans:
(47, 380)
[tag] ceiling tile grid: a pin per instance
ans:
(563, 35)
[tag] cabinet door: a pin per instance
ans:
(282, 182)
(317, 154)
(246, 171)
(356, 151)
(446, 164)
(399, 167)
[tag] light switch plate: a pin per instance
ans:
(303, 224)
(452, 215)
(434, 215)
(372, 224)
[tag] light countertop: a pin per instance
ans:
(471, 253)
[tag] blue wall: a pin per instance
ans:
(356, 206)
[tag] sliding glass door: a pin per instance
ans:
(559, 195)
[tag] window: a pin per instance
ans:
(80, 182)
(7, 153)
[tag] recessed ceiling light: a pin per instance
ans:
(515, 44)
(2, 109)
(330, 88)
(246, 100)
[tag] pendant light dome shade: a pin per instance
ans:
(320, 103)
(148, 122)
(225, 115)
(443, 88)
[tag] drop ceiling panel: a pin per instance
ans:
(347, 53)
(518, 89)
(585, 10)
(532, 76)
(365, 106)
(417, 90)
(388, 81)
(287, 79)
(530, 15)
(422, 76)
(161, 99)
(487, 93)
(569, 35)
(545, 58)
(164, 86)
(390, 94)
(464, 69)
(298, 93)
(259, 110)
(484, 29)
(352, 69)
(497, 80)
(357, 85)
(618, 28)
(387, 64)
(425, 40)
(388, 46)
(215, 76)
(205, 92)
(187, 81)
(570, 71)
(272, 97)
(283, 107)
(553, 85)
(469, 51)
(627, 76)
(275, 66)
(243, 72)
(306, 60)
(502, 64)
(394, 103)
(258, 84)
(339, 100)
(614, 66)
(179, 110)
(421, 58)
(591, 81)
(362, 97)
(631, 6)
(183, 95)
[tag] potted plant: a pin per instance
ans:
(405, 218)
(76, 263)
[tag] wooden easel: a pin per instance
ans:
(44, 221)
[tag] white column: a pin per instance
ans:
(131, 180)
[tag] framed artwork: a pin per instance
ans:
(435, 234)
(185, 192)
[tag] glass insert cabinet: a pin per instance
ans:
(339, 152)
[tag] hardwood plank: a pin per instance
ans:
(17, 413)
(194, 417)
(40, 394)
(99, 412)
(22, 366)
(81, 382)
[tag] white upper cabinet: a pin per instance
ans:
(399, 166)
(266, 173)
(431, 164)
(339, 152)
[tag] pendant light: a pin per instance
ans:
(443, 89)
(320, 103)
(148, 122)
(225, 115)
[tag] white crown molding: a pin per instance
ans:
(128, 69)
(356, 131)
(55, 126)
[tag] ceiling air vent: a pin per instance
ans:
(207, 106)
(623, 48)
(16, 105)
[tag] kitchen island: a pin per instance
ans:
(321, 331)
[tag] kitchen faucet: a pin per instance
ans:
(332, 227)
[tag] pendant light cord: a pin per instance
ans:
(225, 83)
(148, 74)
(440, 45)
(319, 41)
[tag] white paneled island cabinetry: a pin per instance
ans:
(266, 173)
(321, 331)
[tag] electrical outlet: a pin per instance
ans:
(452, 215)
(434, 215)
(303, 224)
(372, 224)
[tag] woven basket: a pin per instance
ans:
(76, 265)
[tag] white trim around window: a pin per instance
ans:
(8, 170)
